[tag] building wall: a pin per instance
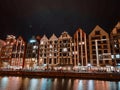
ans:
(99, 45)
(43, 51)
(80, 48)
(65, 49)
(53, 50)
(18, 52)
(6, 51)
(31, 57)
(115, 44)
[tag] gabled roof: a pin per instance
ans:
(118, 25)
(44, 38)
(53, 38)
(97, 27)
(64, 35)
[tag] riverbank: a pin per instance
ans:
(82, 75)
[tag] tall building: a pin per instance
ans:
(80, 48)
(31, 57)
(6, 51)
(2, 44)
(99, 45)
(115, 44)
(18, 52)
(53, 50)
(65, 50)
(43, 51)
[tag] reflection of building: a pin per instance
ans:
(18, 52)
(80, 48)
(53, 50)
(115, 43)
(31, 57)
(99, 45)
(6, 51)
(65, 49)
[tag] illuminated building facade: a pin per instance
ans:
(80, 48)
(99, 45)
(2, 44)
(6, 51)
(65, 50)
(53, 50)
(43, 51)
(18, 52)
(115, 44)
(31, 57)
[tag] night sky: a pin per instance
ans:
(39, 17)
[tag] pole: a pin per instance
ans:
(96, 45)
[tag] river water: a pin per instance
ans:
(25, 83)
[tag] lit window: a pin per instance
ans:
(64, 50)
(117, 56)
(50, 54)
(50, 46)
(35, 47)
(41, 42)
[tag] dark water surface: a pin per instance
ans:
(20, 83)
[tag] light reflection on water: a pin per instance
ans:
(20, 83)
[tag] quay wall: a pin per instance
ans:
(81, 75)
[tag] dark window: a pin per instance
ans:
(105, 47)
(97, 32)
(94, 56)
(105, 51)
(99, 47)
(50, 61)
(118, 30)
(104, 42)
(94, 52)
(100, 52)
(93, 42)
(103, 37)
(45, 61)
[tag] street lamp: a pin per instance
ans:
(96, 46)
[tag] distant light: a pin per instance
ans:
(32, 41)
(35, 47)
(89, 65)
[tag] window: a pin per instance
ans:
(100, 52)
(97, 32)
(104, 42)
(105, 51)
(94, 52)
(118, 30)
(99, 47)
(94, 56)
(93, 42)
(105, 46)
(103, 37)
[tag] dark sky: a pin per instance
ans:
(38, 17)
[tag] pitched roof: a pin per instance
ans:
(64, 35)
(53, 38)
(44, 38)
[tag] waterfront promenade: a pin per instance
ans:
(101, 75)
